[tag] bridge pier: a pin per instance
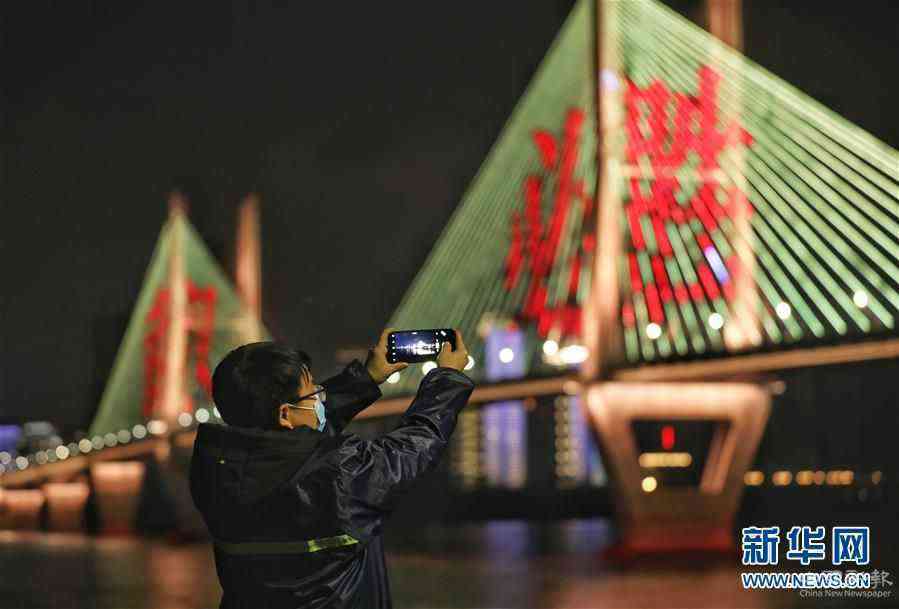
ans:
(662, 505)
(65, 505)
(117, 490)
(21, 509)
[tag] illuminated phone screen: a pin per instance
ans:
(417, 345)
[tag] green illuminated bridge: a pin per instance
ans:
(750, 218)
(722, 221)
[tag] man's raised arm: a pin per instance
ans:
(377, 472)
(356, 388)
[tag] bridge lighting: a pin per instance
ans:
(124, 436)
(665, 459)
(470, 363)
(550, 347)
(21, 462)
(85, 445)
(573, 354)
(608, 80)
(506, 355)
(783, 310)
(394, 378)
(157, 427)
(649, 484)
(97, 442)
(653, 330)
(62, 452)
(716, 321)
(860, 298)
(202, 415)
(427, 367)
(5, 457)
(782, 478)
(753, 478)
(184, 419)
(805, 477)
(139, 432)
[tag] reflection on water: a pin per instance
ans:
(495, 564)
(43, 570)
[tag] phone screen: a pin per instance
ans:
(417, 345)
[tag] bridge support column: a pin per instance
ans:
(117, 486)
(65, 505)
(672, 497)
(21, 509)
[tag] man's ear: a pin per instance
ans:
(283, 418)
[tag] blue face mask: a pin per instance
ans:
(319, 409)
(320, 413)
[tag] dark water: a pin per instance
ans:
(498, 564)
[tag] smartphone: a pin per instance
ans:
(414, 346)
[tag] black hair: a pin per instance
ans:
(251, 382)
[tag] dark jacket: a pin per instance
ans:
(265, 495)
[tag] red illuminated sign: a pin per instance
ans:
(200, 326)
(670, 135)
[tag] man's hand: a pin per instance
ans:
(377, 365)
(457, 359)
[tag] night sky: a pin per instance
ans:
(360, 125)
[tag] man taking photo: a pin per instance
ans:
(295, 506)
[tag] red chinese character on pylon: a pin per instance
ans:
(534, 246)
(671, 135)
(665, 131)
(200, 327)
